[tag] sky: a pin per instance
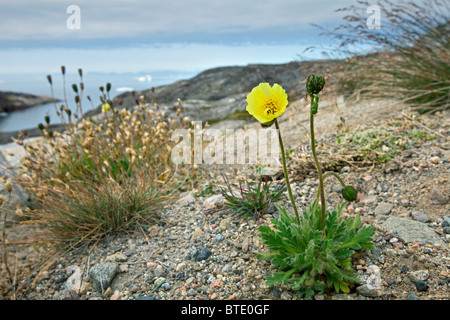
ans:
(142, 36)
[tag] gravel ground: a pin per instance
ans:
(202, 251)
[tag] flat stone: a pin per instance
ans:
(410, 230)
(384, 208)
(213, 201)
(420, 216)
(368, 199)
(367, 290)
(74, 278)
(186, 201)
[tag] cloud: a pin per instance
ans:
(158, 20)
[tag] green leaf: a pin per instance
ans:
(344, 287)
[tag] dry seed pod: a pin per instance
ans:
(8, 185)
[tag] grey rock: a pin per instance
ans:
(375, 253)
(203, 254)
(185, 201)
(159, 271)
(446, 222)
(367, 290)
(421, 285)
(213, 201)
(145, 298)
(412, 296)
(437, 197)
(384, 208)
(166, 286)
(227, 268)
(447, 230)
(102, 274)
(219, 237)
(420, 216)
(410, 230)
(420, 275)
(74, 278)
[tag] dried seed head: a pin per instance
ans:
(8, 185)
(19, 212)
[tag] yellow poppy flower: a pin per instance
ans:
(105, 107)
(267, 103)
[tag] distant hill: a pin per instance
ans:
(14, 101)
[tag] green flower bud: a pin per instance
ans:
(108, 87)
(315, 84)
(47, 119)
(75, 88)
(63, 70)
(349, 193)
(49, 78)
(41, 126)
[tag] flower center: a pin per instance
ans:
(271, 107)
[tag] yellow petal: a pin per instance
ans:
(266, 103)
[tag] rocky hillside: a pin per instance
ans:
(13, 101)
(219, 93)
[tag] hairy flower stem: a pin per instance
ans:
(319, 169)
(288, 185)
(327, 174)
